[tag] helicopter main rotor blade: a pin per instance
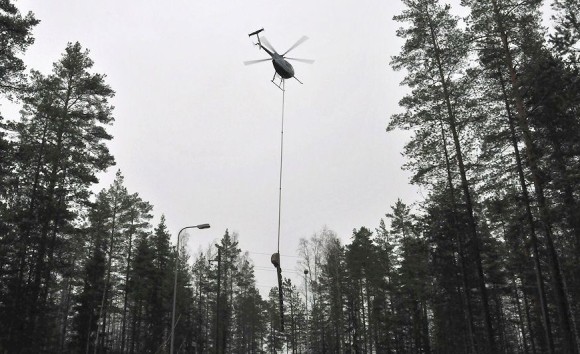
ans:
(250, 62)
(300, 41)
(307, 61)
(267, 44)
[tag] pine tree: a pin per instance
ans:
(88, 300)
(566, 37)
(85, 322)
(415, 292)
(295, 314)
(185, 304)
(15, 37)
(513, 28)
(202, 290)
(228, 271)
(385, 265)
(554, 95)
(249, 324)
(451, 296)
(115, 201)
(274, 337)
(435, 56)
(136, 224)
(60, 144)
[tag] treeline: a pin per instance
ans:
(493, 110)
(487, 263)
(85, 273)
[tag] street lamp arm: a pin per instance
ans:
(200, 226)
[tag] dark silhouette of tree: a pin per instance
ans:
(435, 57)
(566, 34)
(60, 144)
(15, 38)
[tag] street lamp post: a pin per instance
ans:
(217, 303)
(200, 226)
(306, 288)
(306, 302)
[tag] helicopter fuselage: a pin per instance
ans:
(281, 65)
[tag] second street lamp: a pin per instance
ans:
(200, 226)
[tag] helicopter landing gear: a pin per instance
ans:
(279, 84)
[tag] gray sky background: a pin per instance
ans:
(197, 133)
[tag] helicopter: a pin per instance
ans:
(283, 69)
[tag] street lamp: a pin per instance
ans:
(200, 226)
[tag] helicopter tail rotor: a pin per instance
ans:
(255, 32)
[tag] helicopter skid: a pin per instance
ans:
(279, 84)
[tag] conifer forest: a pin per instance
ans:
(488, 262)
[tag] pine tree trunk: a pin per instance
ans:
(425, 329)
(40, 267)
(370, 330)
(573, 223)
(25, 232)
(466, 296)
(364, 319)
(64, 311)
(398, 345)
(501, 323)
(126, 292)
(355, 325)
(529, 320)
(466, 193)
(104, 301)
(533, 238)
(520, 321)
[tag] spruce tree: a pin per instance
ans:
(161, 284)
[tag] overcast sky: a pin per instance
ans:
(197, 133)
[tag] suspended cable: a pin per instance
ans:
(281, 164)
(276, 256)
